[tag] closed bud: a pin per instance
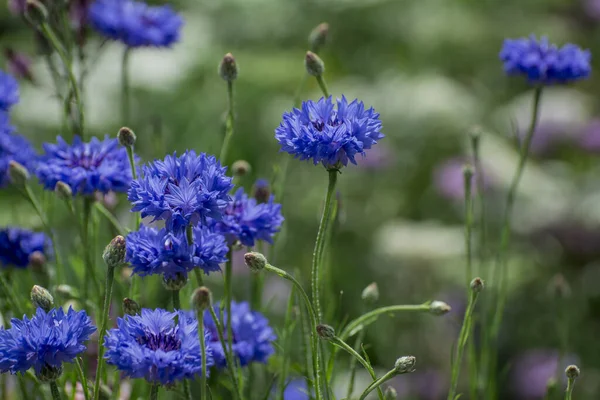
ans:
(37, 260)
(255, 261)
(572, 372)
(261, 190)
(475, 135)
(405, 364)
(41, 298)
(559, 287)
(131, 307)
(228, 69)
(477, 285)
(467, 172)
(318, 36)
(175, 282)
(439, 308)
(201, 298)
(370, 294)
(66, 291)
(114, 252)
(325, 331)
(63, 191)
(18, 173)
(36, 13)
(240, 168)
(390, 394)
(49, 373)
(314, 65)
(126, 137)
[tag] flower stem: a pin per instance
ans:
(357, 342)
(228, 124)
(110, 275)
(313, 330)
(54, 390)
(90, 272)
(200, 317)
(135, 280)
(322, 85)
(569, 391)
(228, 300)
(388, 375)
(82, 379)
(285, 341)
(154, 392)
(320, 242)
(176, 300)
(125, 112)
(111, 218)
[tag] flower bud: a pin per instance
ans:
(405, 364)
(477, 285)
(131, 307)
(36, 13)
(63, 191)
(261, 190)
(467, 172)
(475, 134)
(439, 308)
(66, 291)
(370, 294)
(314, 65)
(175, 282)
(240, 168)
(390, 393)
(318, 36)
(37, 260)
(572, 372)
(49, 373)
(18, 173)
(114, 252)
(126, 137)
(228, 69)
(41, 298)
(255, 261)
(201, 298)
(325, 331)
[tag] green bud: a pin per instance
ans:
(131, 307)
(228, 69)
(439, 308)
(477, 285)
(390, 394)
(126, 137)
(255, 261)
(240, 168)
(49, 373)
(318, 36)
(63, 191)
(572, 372)
(370, 294)
(114, 252)
(201, 298)
(41, 298)
(35, 12)
(314, 65)
(467, 172)
(175, 282)
(18, 173)
(405, 364)
(325, 331)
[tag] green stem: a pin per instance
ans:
(313, 330)
(154, 392)
(199, 278)
(462, 341)
(228, 356)
(82, 379)
(320, 242)
(388, 375)
(54, 390)
(110, 275)
(90, 272)
(125, 112)
(228, 300)
(228, 125)
(111, 218)
(135, 280)
(569, 391)
(200, 317)
(322, 85)
(357, 342)
(285, 344)
(176, 300)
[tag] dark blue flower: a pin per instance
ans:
(17, 245)
(96, 166)
(543, 63)
(45, 341)
(9, 91)
(136, 23)
(329, 135)
(151, 251)
(13, 147)
(247, 221)
(182, 190)
(152, 346)
(252, 336)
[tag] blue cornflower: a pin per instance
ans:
(151, 251)
(544, 63)
(135, 23)
(182, 190)
(296, 390)
(17, 245)
(252, 336)
(44, 342)
(247, 221)
(9, 91)
(13, 147)
(329, 135)
(96, 166)
(152, 346)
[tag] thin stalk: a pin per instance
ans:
(90, 273)
(110, 276)
(200, 317)
(54, 390)
(111, 218)
(176, 300)
(82, 379)
(357, 342)
(322, 85)
(228, 125)
(313, 323)
(154, 392)
(569, 391)
(125, 111)
(135, 280)
(388, 375)
(320, 242)
(287, 332)
(462, 341)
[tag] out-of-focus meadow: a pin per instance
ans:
(431, 69)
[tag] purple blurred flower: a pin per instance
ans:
(18, 64)
(547, 137)
(592, 8)
(449, 181)
(424, 385)
(589, 139)
(17, 7)
(379, 157)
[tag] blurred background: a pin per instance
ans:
(431, 69)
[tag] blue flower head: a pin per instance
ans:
(96, 166)
(9, 91)
(45, 341)
(247, 221)
(252, 336)
(182, 190)
(151, 251)
(543, 63)
(17, 245)
(327, 134)
(13, 147)
(152, 346)
(135, 23)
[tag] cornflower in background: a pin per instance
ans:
(13, 147)
(449, 181)
(17, 245)
(9, 91)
